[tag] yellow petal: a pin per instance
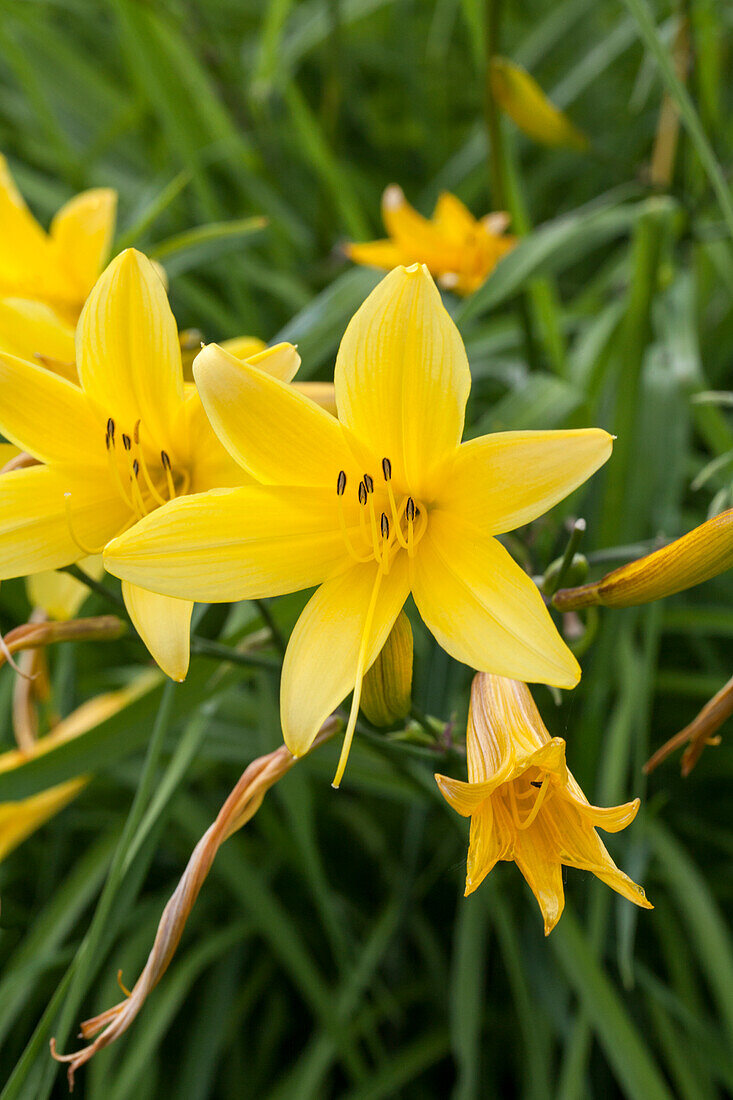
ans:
(402, 378)
(32, 330)
(34, 531)
(381, 254)
(19, 819)
(47, 416)
(164, 624)
(280, 361)
(59, 594)
(82, 232)
(483, 609)
(453, 218)
(242, 347)
(273, 432)
(418, 240)
(536, 857)
(233, 544)
(213, 466)
(323, 393)
(499, 482)
(321, 660)
(490, 840)
(128, 354)
(26, 263)
(521, 97)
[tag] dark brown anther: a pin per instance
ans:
(535, 783)
(368, 483)
(126, 442)
(107, 441)
(385, 526)
(362, 493)
(387, 469)
(165, 460)
(136, 467)
(410, 509)
(341, 483)
(111, 430)
(136, 432)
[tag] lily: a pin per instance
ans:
(461, 251)
(45, 278)
(381, 502)
(129, 437)
(525, 805)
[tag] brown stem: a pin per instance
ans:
(700, 732)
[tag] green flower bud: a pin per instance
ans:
(386, 693)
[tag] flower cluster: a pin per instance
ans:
(243, 484)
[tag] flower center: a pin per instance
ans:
(385, 524)
(143, 486)
(531, 794)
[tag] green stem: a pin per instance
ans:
(203, 647)
(94, 585)
(492, 115)
(268, 618)
(576, 536)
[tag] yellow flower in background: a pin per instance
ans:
(128, 438)
(520, 96)
(45, 277)
(382, 502)
(19, 819)
(461, 251)
(525, 805)
(698, 556)
(60, 595)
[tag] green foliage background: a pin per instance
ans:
(330, 952)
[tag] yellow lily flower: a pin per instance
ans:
(525, 805)
(45, 278)
(125, 440)
(461, 251)
(382, 502)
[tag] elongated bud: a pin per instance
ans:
(386, 693)
(696, 557)
(575, 573)
(520, 96)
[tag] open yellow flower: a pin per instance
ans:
(525, 805)
(461, 251)
(128, 438)
(45, 277)
(383, 501)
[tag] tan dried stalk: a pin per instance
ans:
(33, 634)
(700, 732)
(243, 802)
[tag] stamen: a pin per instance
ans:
(410, 510)
(88, 550)
(340, 487)
(373, 525)
(168, 475)
(360, 670)
(126, 441)
(144, 466)
(410, 514)
(396, 513)
(387, 469)
(385, 526)
(544, 787)
(113, 467)
(362, 493)
(368, 483)
(137, 498)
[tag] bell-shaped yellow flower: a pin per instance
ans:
(461, 251)
(525, 805)
(45, 278)
(128, 438)
(382, 502)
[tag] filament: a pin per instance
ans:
(537, 802)
(112, 461)
(168, 475)
(89, 551)
(144, 467)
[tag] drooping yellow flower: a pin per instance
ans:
(528, 107)
(382, 502)
(45, 277)
(696, 557)
(525, 805)
(461, 251)
(128, 438)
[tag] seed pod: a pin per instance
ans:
(386, 693)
